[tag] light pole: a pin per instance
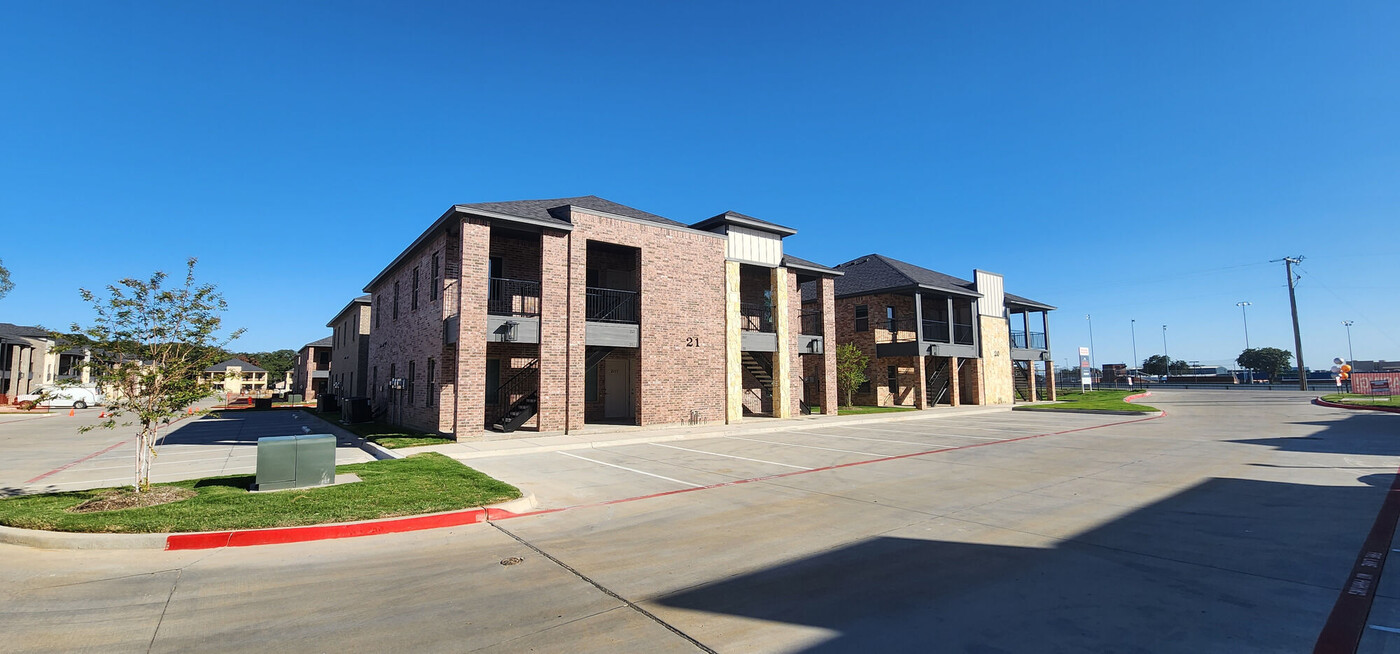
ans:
(1164, 353)
(1093, 365)
(1132, 325)
(1242, 305)
(1350, 358)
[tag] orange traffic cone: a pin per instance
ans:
(72, 413)
(102, 415)
(191, 409)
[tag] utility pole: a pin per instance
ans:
(1293, 306)
(1350, 357)
(1164, 353)
(1093, 363)
(1133, 326)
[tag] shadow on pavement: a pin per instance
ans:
(246, 427)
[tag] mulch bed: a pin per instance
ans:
(127, 499)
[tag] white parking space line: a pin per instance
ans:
(731, 456)
(810, 447)
(640, 472)
(920, 444)
(909, 432)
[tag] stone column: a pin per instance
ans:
(26, 365)
(13, 389)
(782, 359)
(1049, 381)
(1030, 376)
(954, 385)
(733, 354)
(830, 398)
(472, 285)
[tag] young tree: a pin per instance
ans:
(850, 369)
(1269, 361)
(5, 284)
(150, 345)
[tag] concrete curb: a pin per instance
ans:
(707, 432)
(1339, 405)
(379, 453)
(1102, 412)
(60, 540)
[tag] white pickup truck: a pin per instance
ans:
(78, 397)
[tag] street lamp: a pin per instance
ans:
(1350, 358)
(1242, 305)
(1164, 353)
(1132, 325)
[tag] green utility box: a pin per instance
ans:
(295, 461)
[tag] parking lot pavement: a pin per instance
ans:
(609, 473)
(48, 454)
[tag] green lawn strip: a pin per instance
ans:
(1368, 400)
(1092, 401)
(859, 410)
(389, 436)
(422, 483)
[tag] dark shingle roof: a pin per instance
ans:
(363, 299)
(223, 367)
(23, 331)
(546, 210)
(736, 218)
(874, 273)
(790, 261)
(325, 342)
(1016, 299)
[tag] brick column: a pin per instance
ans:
(26, 368)
(470, 375)
(557, 352)
(795, 369)
(1049, 381)
(733, 371)
(13, 390)
(1030, 379)
(954, 386)
(830, 398)
(921, 388)
(782, 359)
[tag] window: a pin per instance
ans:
(892, 377)
(493, 379)
(862, 318)
(889, 318)
(590, 384)
(432, 378)
(433, 283)
(413, 298)
(412, 372)
(496, 267)
(864, 387)
(355, 331)
(391, 382)
(396, 300)
(377, 309)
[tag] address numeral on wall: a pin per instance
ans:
(692, 341)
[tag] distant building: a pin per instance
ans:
(30, 357)
(1375, 366)
(237, 377)
(350, 349)
(313, 371)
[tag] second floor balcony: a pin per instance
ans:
(1028, 340)
(613, 305)
(513, 297)
(756, 317)
(901, 330)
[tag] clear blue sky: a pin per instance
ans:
(1126, 160)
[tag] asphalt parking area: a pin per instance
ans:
(604, 474)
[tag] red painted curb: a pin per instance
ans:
(1338, 405)
(1345, 625)
(244, 538)
(1139, 396)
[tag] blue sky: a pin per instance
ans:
(1126, 160)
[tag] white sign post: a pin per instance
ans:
(1086, 373)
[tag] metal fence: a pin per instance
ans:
(513, 297)
(613, 305)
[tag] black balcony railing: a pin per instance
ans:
(756, 317)
(613, 305)
(513, 297)
(962, 333)
(810, 323)
(1036, 340)
(936, 330)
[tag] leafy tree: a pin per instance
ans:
(150, 345)
(1180, 367)
(1156, 364)
(5, 284)
(276, 362)
(1266, 361)
(850, 369)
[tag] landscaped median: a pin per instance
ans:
(1388, 403)
(419, 484)
(1109, 401)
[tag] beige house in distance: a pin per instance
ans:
(237, 377)
(30, 358)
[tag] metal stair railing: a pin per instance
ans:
(523, 384)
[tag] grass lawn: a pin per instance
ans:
(859, 410)
(388, 436)
(422, 483)
(1092, 400)
(1370, 400)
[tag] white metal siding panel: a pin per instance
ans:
(753, 246)
(993, 290)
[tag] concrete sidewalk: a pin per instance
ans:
(613, 435)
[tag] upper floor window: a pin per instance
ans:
(412, 372)
(413, 297)
(433, 283)
(862, 318)
(889, 318)
(396, 300)
(432, 379)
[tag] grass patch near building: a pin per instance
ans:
(391, 437)
(1109, 400)
(422, 483)
(1367, 400)
(860, 410)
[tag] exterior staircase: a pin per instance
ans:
(525, 387)
(1020, 375)
(938, 384)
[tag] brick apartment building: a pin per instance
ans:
(349, 371)
(311, 376)
(937, 339)
(30, 358)
(552, 314)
